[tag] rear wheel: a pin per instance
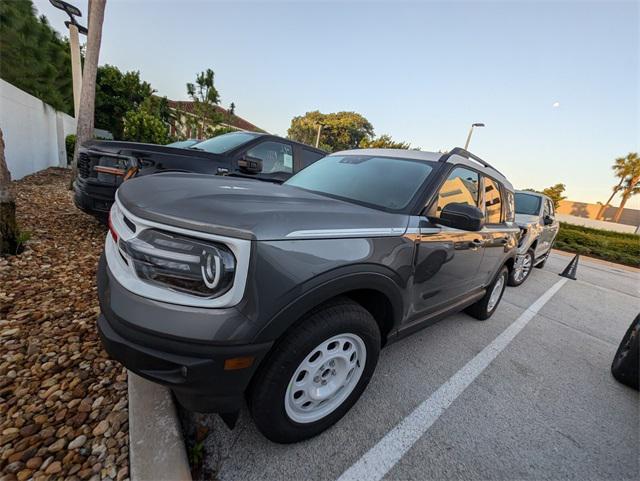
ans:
(521, 269)
(316, 373)
(485, 307)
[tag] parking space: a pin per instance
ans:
(545, 408)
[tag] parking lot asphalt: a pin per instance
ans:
(546, 407)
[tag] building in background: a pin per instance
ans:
(185, 123)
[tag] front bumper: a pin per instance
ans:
(93, 197)
(194, 369)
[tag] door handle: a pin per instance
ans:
(504, 241)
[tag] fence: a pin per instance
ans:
(33, 132)
(598, 224)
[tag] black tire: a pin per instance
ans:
(269, 388)
(625, 363)
(480, 309)
(512, 280)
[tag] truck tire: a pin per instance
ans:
(519, 274)
(316, 372)
(625, 363)
(485, 307)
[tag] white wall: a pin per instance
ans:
(33, 131)
(597, 224)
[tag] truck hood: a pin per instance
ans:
(524, 220)
(251, 209)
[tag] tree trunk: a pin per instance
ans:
(8, 226)
(84, 130)
(606, 204)
(624, 200)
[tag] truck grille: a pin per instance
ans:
(84, 165)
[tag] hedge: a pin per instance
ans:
(603, 244)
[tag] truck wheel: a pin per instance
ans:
(625, 363)
(316, 372)
(485, 307)
(521, 269)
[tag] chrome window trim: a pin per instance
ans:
(127, 277)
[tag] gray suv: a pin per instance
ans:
(224, 288)
(535, 215)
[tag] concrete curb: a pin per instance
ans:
(156, 447)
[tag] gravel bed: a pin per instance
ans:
(63, 402)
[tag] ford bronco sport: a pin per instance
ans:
(224, 288)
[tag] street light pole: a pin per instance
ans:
(76, 67)
(318, 136)
(477, 124)
(74, 44)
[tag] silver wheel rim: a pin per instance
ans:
(495, 293)
(523, 267)
(325, 378)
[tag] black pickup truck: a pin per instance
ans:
(104, 165)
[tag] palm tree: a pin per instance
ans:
(622, 167)
(631, 185)
(90, 70)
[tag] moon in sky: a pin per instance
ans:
(556, 104)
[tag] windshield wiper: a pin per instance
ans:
(196, 148)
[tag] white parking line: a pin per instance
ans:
(377, 462)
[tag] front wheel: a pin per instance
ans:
(521, 269)
(316, 373)
(485, 307)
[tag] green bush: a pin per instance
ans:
(603, 244)
(70, 145)
(143, 126)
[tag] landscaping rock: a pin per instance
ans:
(63, 401)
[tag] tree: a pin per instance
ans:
(84, 130)
(622, 167)
(9, 236)
(205, 98)
(116, 94)
(340, 130)
(145, 124)
(631, 184)
(34, 58)
(384, 142)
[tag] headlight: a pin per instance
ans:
(181, 263)
(523, 234)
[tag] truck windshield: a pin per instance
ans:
(527, 204)
(386, 182)
(225, 142)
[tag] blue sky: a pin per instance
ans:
(421, 72)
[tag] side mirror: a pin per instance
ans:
(462, 216)
(250, 165)
(547, 220)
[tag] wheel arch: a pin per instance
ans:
(375, 291)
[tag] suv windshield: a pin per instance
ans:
(527, 204)
(386, 182)
(225, 142)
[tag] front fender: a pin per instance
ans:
(332, 284)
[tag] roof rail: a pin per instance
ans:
(468, 155)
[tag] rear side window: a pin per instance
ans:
(309, 157)
(460, 187)
(510, 209)
(492, 202)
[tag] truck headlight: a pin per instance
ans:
(182, 263)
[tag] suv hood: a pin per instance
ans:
(250, 209)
